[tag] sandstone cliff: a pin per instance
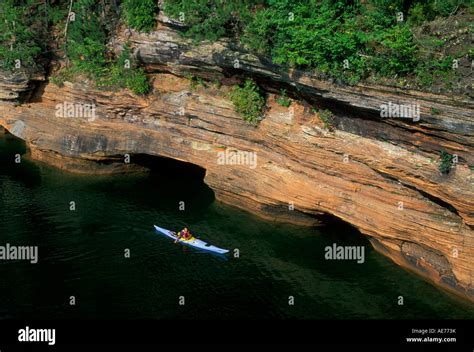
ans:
(378, 174)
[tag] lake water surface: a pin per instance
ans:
(82, 254)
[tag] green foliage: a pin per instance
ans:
(347, 40)
(195, 81)
(435, 111)
(417, 14)
(140, 14)
(248, 101)
(87, 51)
(428, 10)
(66, 74)
(431, 70)
(217, 84)
(86, 39)
(446, 162)
(210, 19)
(124, 73)
(258, 34)
(283, 99)
(26, 24)
(137, 82)
(57, 79)
(386, 7)
(399, 51)
(313, 35)
(344, 39)
(327, 118)
(18, 39)
(57, 14)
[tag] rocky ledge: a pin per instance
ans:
(15, 86)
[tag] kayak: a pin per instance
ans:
(194, 242)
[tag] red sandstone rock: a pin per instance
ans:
(395, 196)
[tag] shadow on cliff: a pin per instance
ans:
(13, 163)
(171, 185)
(36, 94)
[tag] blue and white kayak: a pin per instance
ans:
(194, 242)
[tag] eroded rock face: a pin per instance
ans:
(398, 198)
(445, 121)
(380, 175)
(17, 85)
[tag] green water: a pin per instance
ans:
(82, 254)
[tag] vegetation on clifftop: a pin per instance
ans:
(88, 54)
(344, 39)
(140, 14)
(81, 38)
(20, 34)
(414, 43)
(213, 19)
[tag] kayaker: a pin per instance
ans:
(184, 234)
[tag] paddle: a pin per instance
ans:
(177, 238)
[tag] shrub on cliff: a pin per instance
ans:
(283, 99)
(138, 82)
(327, 118)
(124, 73)
(446, 162)
(65, 74)
(140, 14)
(248, 101)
